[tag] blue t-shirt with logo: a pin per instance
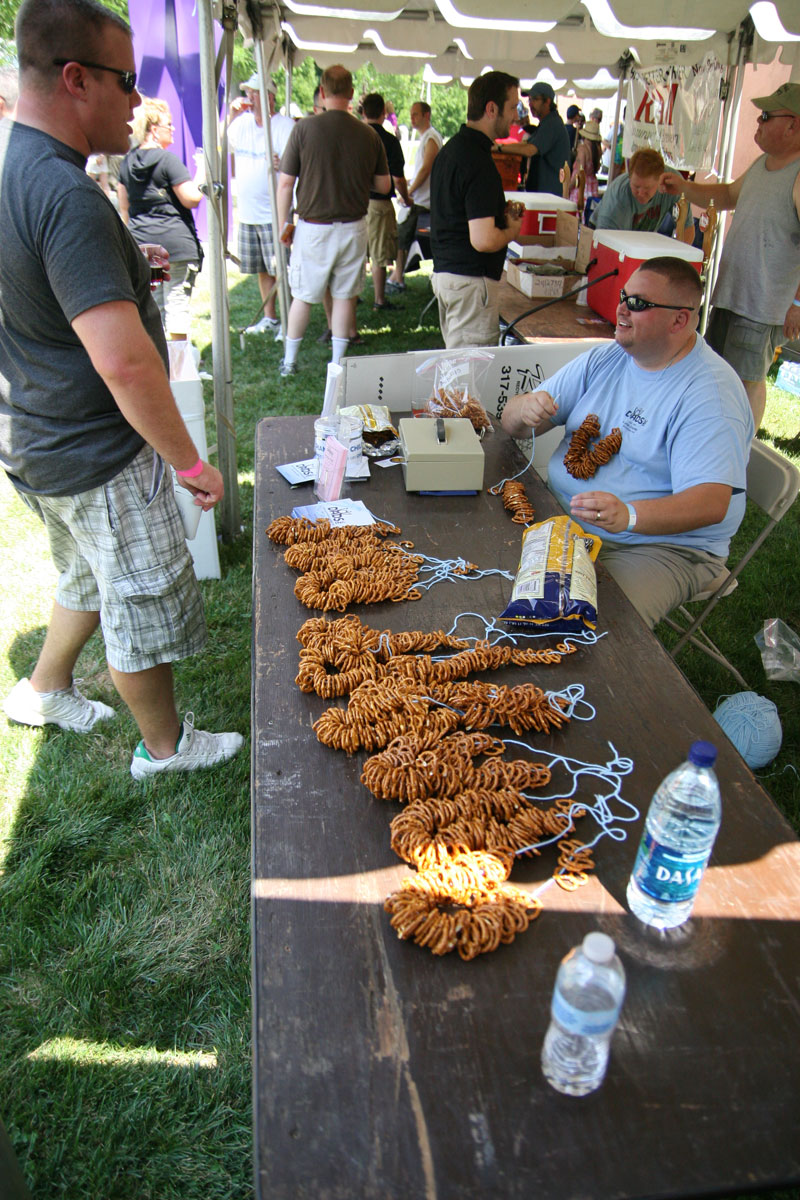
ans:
(687, 424)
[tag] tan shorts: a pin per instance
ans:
(331, 256)
(658, 576)
(469, 309)
(382, 233)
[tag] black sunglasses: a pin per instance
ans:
(770, 116)
(637, 304)
(127, 79)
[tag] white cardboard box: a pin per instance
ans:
(524, 280)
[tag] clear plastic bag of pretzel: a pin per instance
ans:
(450, 384)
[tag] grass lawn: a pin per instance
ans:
(125, 955)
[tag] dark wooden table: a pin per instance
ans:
(560, 320)
(381, 1071)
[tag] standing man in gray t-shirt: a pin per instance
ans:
(88, 423)
(757, 294)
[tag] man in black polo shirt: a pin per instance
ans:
(381, 218)
(470, 224)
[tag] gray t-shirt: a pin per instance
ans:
(63, 250)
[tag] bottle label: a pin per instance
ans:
(577, 1020)
(666, 874)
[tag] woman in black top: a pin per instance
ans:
(156, 197)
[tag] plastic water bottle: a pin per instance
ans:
(679, 833)
(587, 998)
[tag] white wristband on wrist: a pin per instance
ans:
(797, 302)
(631, 516)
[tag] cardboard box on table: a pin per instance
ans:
(624, 250)
(560, 247)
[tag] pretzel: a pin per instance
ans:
(582, 459)
(414, 768)
(450, 402)
(445, 910)
(380, 710)
(515, 500)
(428, 832)
(338, 656)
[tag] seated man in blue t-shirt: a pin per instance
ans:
(668, 502)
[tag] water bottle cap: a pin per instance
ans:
(598, 947)
(703, 754)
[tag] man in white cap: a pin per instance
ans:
(247, 140)
(757, 294)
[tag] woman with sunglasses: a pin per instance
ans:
(156, 197)
(756, 299)
(668, 501)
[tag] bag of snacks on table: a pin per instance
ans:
(555, 589)
(379, 436)
(450, 384)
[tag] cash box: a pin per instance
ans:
(441, 454)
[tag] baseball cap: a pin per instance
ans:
(253, 84)
(540, 89)
(787, 96)
(572, 111)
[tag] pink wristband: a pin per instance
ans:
(197, 469)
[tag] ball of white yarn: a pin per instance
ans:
(753, 725)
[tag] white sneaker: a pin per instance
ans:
(68, 709)
(265, 325)
(195, 749)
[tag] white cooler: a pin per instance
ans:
(541, 211)
(624, 250)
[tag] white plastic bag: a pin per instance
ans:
(780, 650)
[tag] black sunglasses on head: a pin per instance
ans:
(638, 304)
(127, 79)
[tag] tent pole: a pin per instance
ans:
(230, 518)
(612, 166)
(728, 145)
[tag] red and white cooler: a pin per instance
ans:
(626, 250)
(541, 210)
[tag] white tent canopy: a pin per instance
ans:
(521, 36)
(588, 45)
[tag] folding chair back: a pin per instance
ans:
(772, 484)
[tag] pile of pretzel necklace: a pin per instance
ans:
(466, 814)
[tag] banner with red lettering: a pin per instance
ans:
(675, 110)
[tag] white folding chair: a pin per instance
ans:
(772, 484)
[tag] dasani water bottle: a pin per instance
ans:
(679, 833)
(587, 998)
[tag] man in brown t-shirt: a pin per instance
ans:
(336, 161)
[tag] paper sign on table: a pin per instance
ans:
(298, 472)
(338, 512)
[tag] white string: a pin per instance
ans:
(610, 821)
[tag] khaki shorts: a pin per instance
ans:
(657, 577)
(748, 346)
(120, 550)
(382, 233)
(328, 256)
(469, 309)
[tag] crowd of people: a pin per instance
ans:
(88, 422)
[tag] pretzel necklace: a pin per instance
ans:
(582, 459)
